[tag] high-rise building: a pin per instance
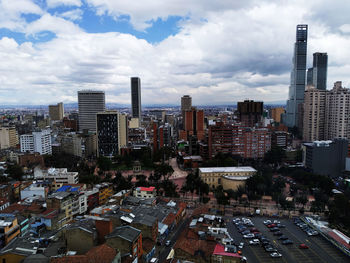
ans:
(314, 114)
(309, 77)
(136, 97)
(186, 104)
(90, 102)
(235, 139)
(319, 71)
(111, 133)
(276, 113)
(8, 137)
(38, 141)
(194, 124)
(298, 75)
(250, 112)
(338, 112)
(56, 112)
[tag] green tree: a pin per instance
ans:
(15, 171)
(104, 163)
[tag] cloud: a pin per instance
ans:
(56, 3)
(223, 52)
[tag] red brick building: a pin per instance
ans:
(193, 124)
(234, 139)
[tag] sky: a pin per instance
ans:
(219, 52)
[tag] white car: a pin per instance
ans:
(276, 255)
(249, 236)
(241, 245)
(254, 242)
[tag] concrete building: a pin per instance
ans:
(8, 137)
(314, 119)
(136, 98)
(234, 139)
(326, 157)
(89, 103)
(186, 104)
(145, 192)
(38, 141)
(56, 112)
(9, 229)
(228, 177)
(279, 138)
(338, 112)
(35, 189)
(59, 175)
(112, 130)
(250, 113)
(298, 77)
(71, 143)
(276, 113)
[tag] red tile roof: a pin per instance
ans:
(147, 189)
(220, 250)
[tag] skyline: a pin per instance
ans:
(51, 49)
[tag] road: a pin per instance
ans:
(178, 173)
(173, 237)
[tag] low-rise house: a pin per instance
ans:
(9, 228)
(145, 192)
(83, 230)
(127, 239)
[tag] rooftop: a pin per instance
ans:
(227, 169)
(128, 233)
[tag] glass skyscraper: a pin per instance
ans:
(319, 71)
(136, 97)
(298, 77)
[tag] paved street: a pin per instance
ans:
(320, 250)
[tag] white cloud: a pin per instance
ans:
(237, 51)
(75, 14)
(56, 3)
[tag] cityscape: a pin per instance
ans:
(171, 161)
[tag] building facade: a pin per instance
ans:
(228, 177)
(8, 137)
(56, 112)
(38, 141)
(314, 119)
(136, 97)
(338, 112)
(319, 70)
(298, 76)
(112, 130)
(250, 112)
(89, 103)
(276, 113)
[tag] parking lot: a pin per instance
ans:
(319, 249)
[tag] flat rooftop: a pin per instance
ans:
(227, 169)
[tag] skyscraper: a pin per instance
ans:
(319, 70)
(111, 133)
(90, 102)
(56, 112)
(298, 75)
(136, 97)
(250, 112)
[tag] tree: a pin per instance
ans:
(15, 171)
(164, 170)
(104, 163)
(275, 155)
(220, 196)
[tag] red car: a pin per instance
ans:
(271, 225)
(303, 246)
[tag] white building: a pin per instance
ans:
(34, 190)
(59, 175)
(38, 141)
(145, 192)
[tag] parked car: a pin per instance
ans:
(271, 225)
(248, 236)
(274, 229)
(287, 242)
(254, 242)
(303, 246)
(167, 243)
(278, 233)
(241, 245)
(267, 222)
(276, 255)
(270, 249)
(283, 237)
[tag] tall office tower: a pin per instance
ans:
(297, 80)
(56, 112)
(8, 137)
(136, 97)
(319, 71)
(250, 112)
(309, 77)
(338, 112)
(186, 104)
(38, 141)
(111, 133)
(314, 114)
(90, 102)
